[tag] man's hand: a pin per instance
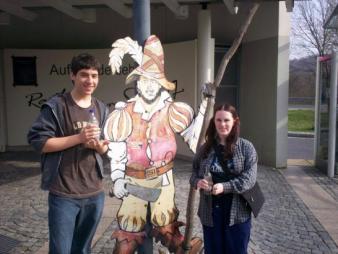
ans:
(89, 132)
(101, 146)
(119, 188)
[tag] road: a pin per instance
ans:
(300, 148)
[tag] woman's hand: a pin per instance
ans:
(217, 189)
(203, 184)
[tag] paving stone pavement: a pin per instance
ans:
(285, 224)
(330, 185)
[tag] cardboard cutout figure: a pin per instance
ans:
(143, 148)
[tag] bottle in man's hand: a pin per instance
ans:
(93, 121)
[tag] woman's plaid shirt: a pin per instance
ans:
(244, 166)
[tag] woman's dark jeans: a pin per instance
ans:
(223, 239)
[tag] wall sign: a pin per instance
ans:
(24, 71)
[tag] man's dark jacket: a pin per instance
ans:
(48, 125)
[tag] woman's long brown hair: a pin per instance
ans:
(211, 133)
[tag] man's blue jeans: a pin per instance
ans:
(72, 223)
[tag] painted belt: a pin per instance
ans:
(148, 173)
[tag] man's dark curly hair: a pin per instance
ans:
(84, 61)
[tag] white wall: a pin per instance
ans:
(187, 80)
(180, 65)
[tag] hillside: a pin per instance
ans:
(302, 77)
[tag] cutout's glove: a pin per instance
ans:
(120, 190)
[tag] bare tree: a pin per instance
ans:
(308, 35)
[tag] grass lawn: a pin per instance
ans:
(301, 120)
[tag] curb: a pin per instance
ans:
(301, 134)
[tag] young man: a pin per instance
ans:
(72, 168)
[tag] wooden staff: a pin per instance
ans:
(208, 115)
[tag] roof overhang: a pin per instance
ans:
(84, 10)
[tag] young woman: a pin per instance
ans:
(232, 163)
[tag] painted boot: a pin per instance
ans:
(127, 242)
(171, 237)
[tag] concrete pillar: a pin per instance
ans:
(317, 112)
(331, 161)
(3, 123)
(264, 81)
(282, 91)
(205, 51)
(141, 20)
(141, 25)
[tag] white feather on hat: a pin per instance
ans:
(151, 63)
